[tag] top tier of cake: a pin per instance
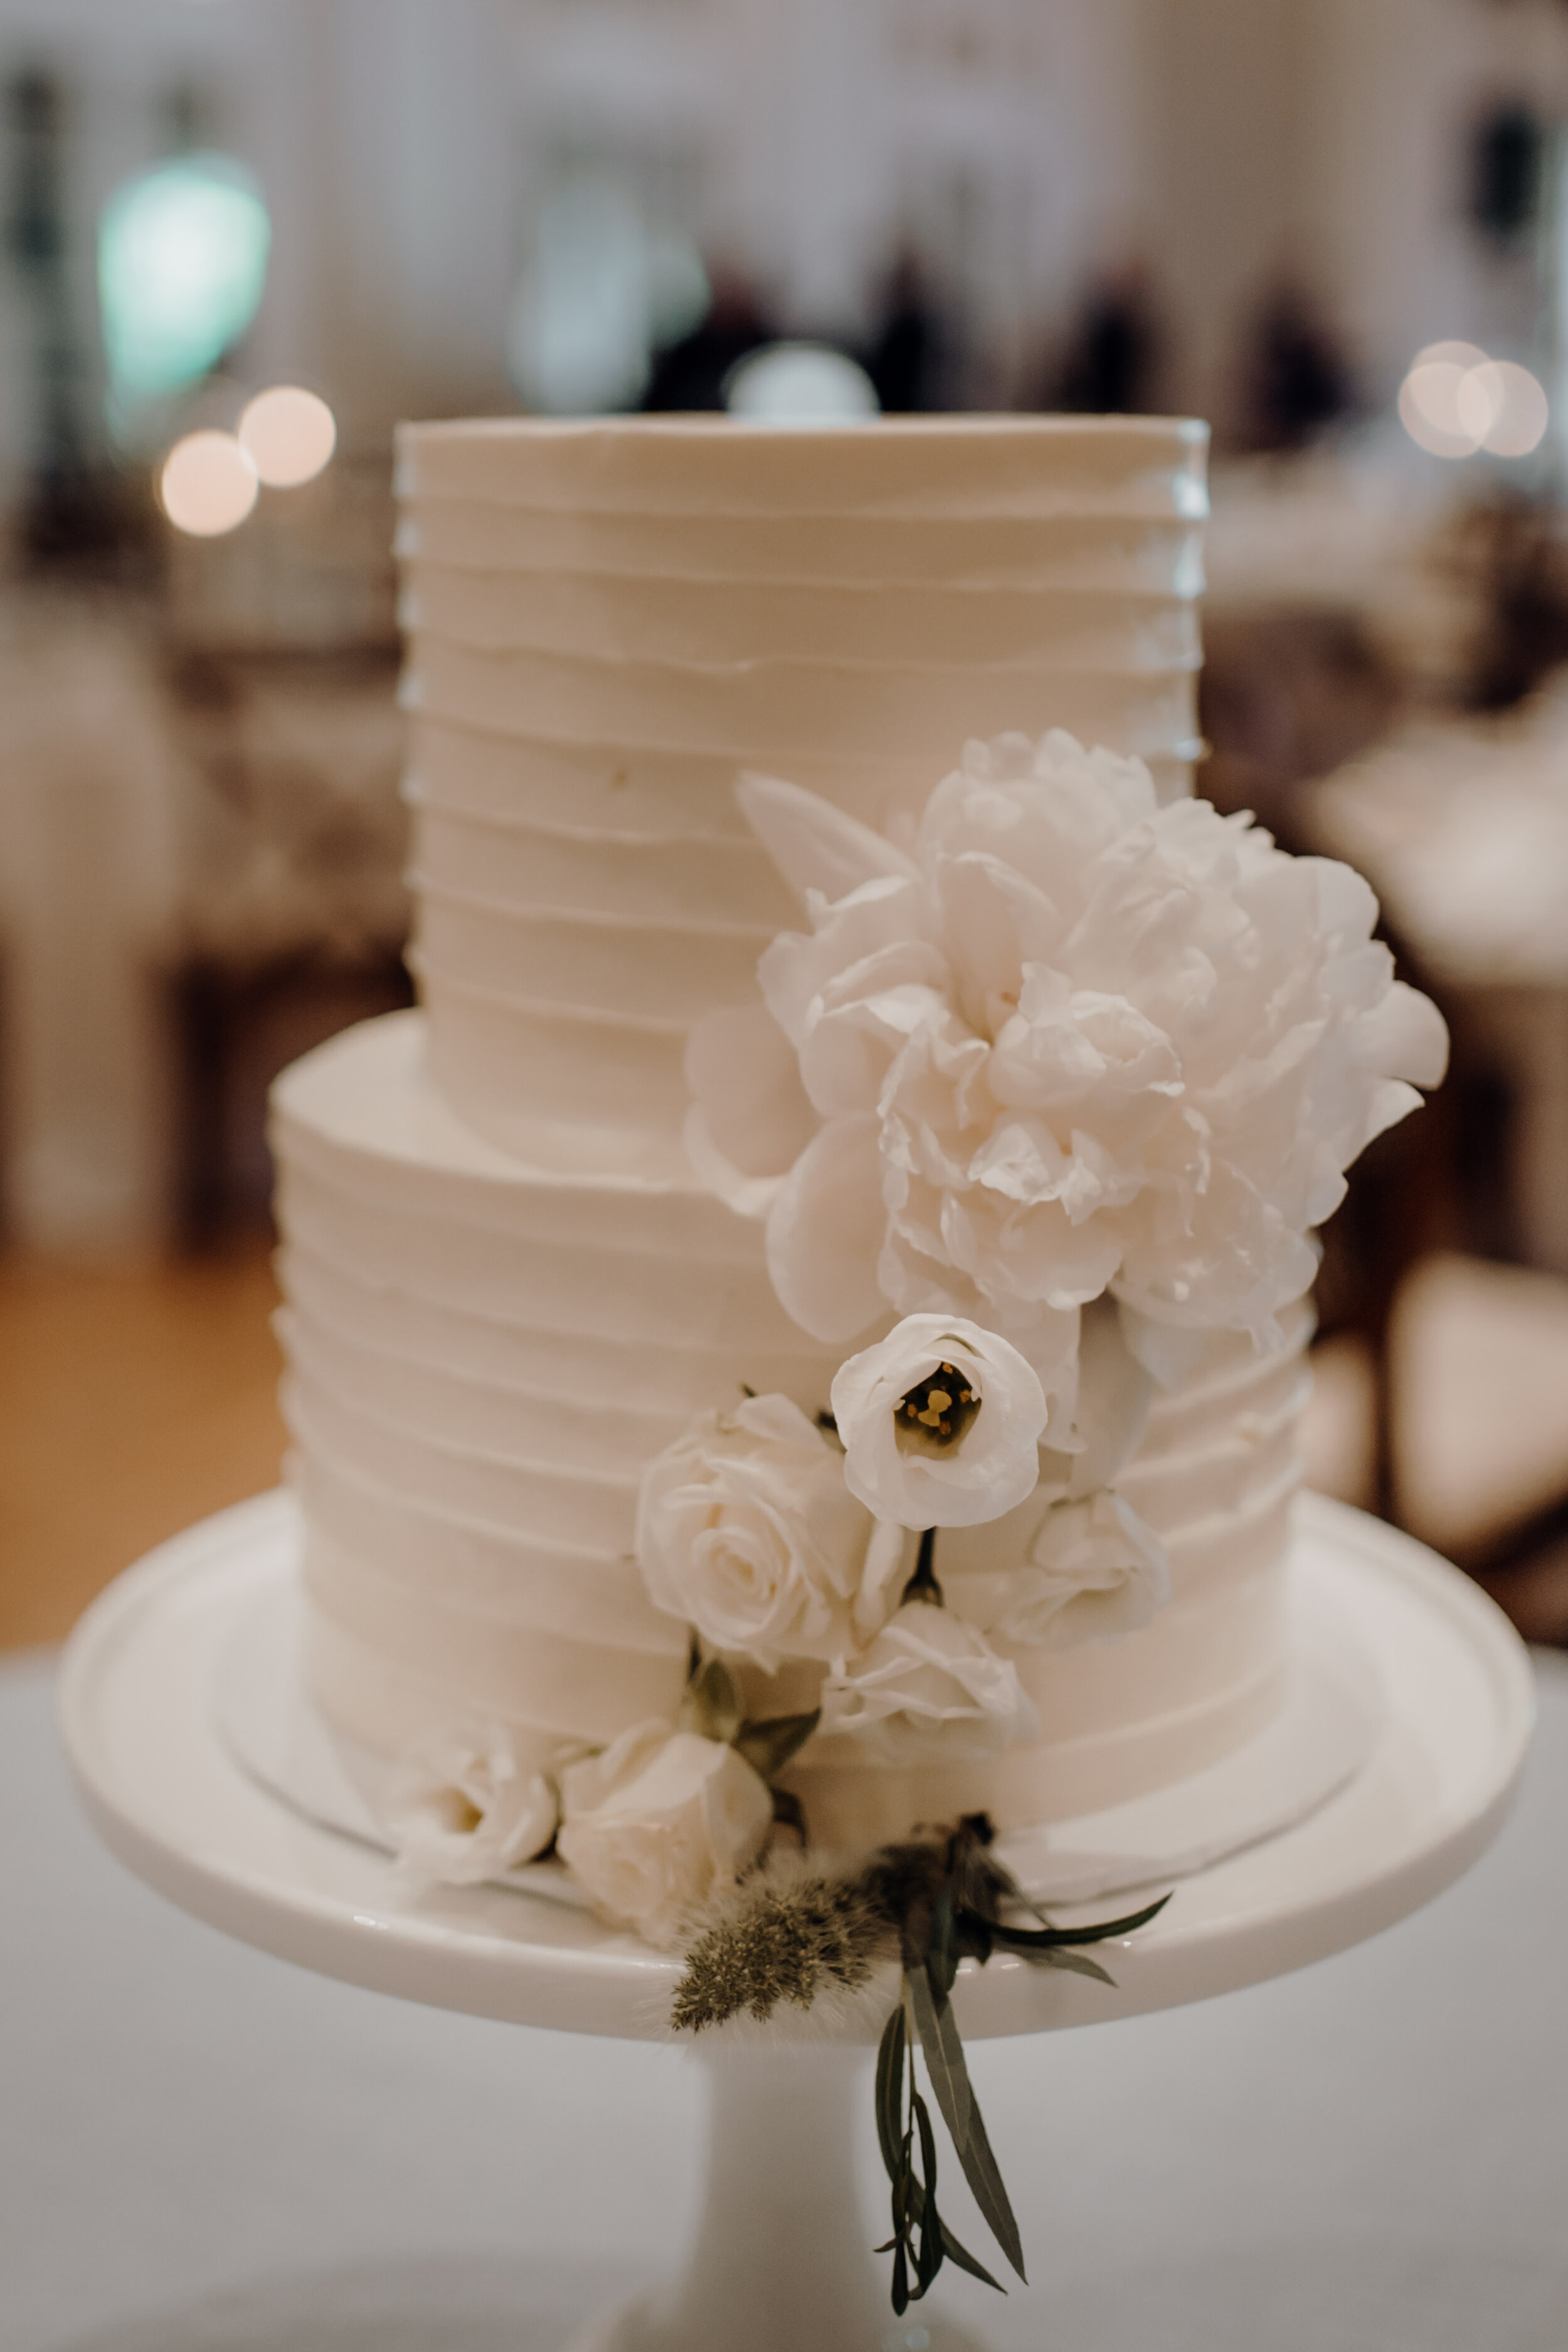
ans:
(608, 621)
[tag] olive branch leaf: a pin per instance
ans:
(962, 1918)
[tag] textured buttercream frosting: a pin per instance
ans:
(607, 623)
(484, 1355)
(507, 1290)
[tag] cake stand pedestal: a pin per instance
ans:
(781, 2259)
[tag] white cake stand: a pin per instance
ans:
(780, 2258)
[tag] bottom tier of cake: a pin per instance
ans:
(484, 1355)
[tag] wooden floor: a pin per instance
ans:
(132, 1402)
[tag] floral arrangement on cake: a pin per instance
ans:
(1056, 1083)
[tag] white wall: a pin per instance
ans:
(405, 145)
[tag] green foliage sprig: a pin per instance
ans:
(960, 1916)
(795, 1937)
(713, 1705)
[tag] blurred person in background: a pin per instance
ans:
(690, 373)
(1113, 352)
(1296, 377)
(908, 357)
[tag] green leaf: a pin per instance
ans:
(768, 1745)
(943, 2051)
(942, 1956)
(952, 2247)
(966, 2261)
(712, 1705)
(900, 2280)
(929, 2259)
(1001, 1886)
(984, 2180)
(1077, 1964)
(889, 2090)
(975, 1935)
(1044, 1939)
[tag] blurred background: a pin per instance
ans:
(239, 238)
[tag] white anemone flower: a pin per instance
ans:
(941, 1423)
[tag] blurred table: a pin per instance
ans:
(201, 856)
(201, 2148)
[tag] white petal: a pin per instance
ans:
(744, 1075)
(825, 1230)
(1114, 1392)
(749, 1196)
(1405, 1035)
(814, 844)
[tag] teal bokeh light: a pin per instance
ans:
(182, 262)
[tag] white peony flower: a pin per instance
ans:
(657, 1820)
(1067, 1041)
(941, 1423)
(463, 1809)
(747, 1532)
(929, 1686)
(1095, 1570)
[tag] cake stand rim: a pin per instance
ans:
(318, 1902)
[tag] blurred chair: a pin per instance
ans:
(1463, 832)
(293, 908)
(201, 854)
(1284, 698)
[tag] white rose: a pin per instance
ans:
(941, 1423)
(657, 1822)
(929, 1685)
(1065, 1040)
(747, 1532)
(463, 1809)
(1095, 1570)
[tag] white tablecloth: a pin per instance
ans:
(201, 2148)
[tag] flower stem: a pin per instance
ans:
(922, 1585)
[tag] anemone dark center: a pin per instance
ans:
(935, 1414)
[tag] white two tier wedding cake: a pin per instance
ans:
(801, 1335)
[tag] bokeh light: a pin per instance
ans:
(579, 341)
(800, 383)
(1505, 406)
(289, 434)
(209, 484)
(1455, 401)
(182, 264)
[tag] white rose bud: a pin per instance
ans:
(463, 1809)
(941, 1423)
(747, 1532)
(1096, 1571)
(929, 1685)
(659, 1821)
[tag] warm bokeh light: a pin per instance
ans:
(289, 435)
(1505, 407)
(209, 484)
(1455, 399)
(182, 263)
(1455, 354)
(1429, 405)
(799, 383)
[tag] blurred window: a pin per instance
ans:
(182, 263)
